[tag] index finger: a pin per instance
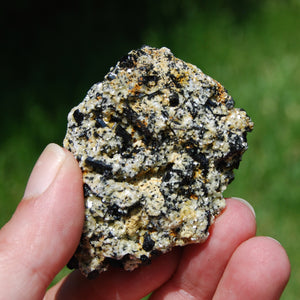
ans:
(202, 265)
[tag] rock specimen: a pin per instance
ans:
(157, 142)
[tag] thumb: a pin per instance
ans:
(44, 231)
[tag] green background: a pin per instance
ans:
(52, 52)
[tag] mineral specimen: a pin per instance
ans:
(157, 142)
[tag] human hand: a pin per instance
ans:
(45, 230)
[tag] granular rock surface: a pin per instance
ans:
(157, 142)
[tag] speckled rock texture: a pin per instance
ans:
(157, 142)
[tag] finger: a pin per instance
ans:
(45, 229)
(202, 265)
(259, 269)
(117, 284)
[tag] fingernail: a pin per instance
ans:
(44, 171)
(273, 240)
(246, 203)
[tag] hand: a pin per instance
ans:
(45, 230)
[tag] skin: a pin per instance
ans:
(45, 230)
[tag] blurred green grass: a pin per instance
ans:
(257, 58)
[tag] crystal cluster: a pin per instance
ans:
(157, 142)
